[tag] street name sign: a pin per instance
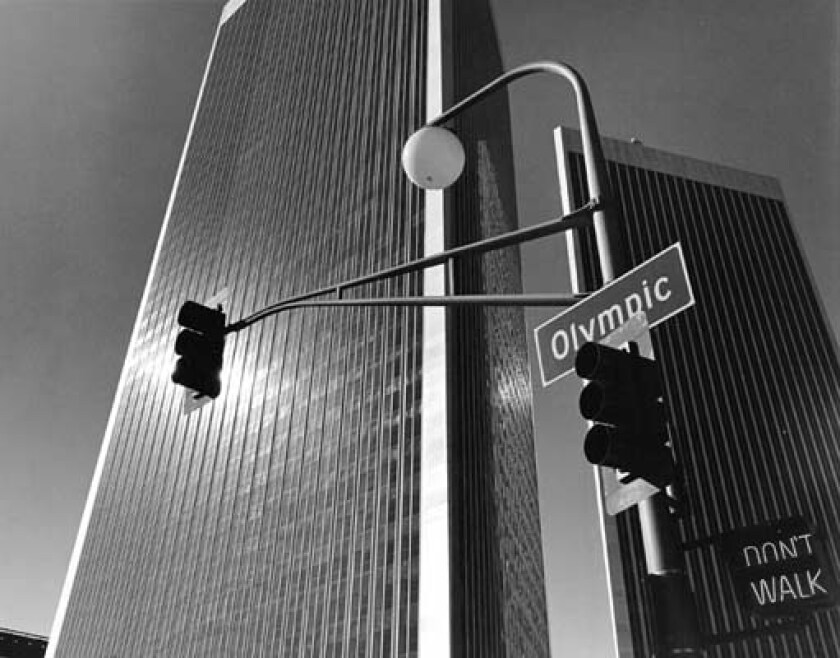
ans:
(659, 288)
(780, 569)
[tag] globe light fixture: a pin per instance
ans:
(433, 158)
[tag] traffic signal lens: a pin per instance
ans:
(604, 446)
(638, 456)
(605, 404)
(189, 343)
(591, 401)
(190, 374)
(202, 319)
(599, 362)
(586, 361)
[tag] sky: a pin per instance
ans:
(95, 101)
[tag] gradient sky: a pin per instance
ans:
(95, 100)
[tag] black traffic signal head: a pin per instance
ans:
(202, 319)
(618, 368)
(623, 400)
(201, 347)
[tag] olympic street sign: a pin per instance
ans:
(659, 288)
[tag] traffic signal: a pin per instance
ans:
(623, 399)
(201, 347)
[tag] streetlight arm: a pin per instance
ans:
(505, 79)
(610, 241)
(516, 299)
(575, 219)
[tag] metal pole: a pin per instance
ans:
(673, 610)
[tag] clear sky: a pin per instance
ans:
(95, 100)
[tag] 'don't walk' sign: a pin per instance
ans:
(780, 569)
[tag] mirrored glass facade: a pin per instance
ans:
(752, 384)
(283, 518)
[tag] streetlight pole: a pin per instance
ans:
(673, 611)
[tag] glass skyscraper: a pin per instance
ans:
(752, 384)
(365, 484)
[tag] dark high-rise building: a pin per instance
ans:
(15, 644)
(365, 483)
(752, 385)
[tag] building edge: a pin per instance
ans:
(434, 632)
(67, 588)
(230, 9)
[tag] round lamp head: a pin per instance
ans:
(433, 158)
